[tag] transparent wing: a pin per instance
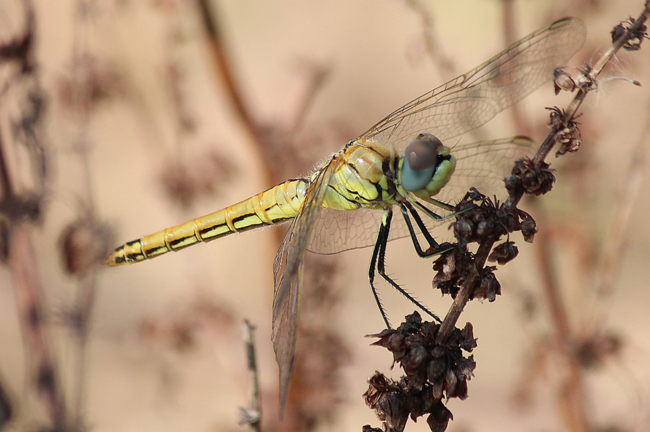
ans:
(472, 99)
(482, 165)
(287, 275)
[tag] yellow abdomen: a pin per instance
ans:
(275, 205)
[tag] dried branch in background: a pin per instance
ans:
(252, 415)
(21, 209)
(6, 411)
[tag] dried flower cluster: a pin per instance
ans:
(432, 371)
(633, 43)
(481, 219)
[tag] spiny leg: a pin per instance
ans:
(440, 204)
(443, 205)
(433, 245)
(378, 259)
(381, 237)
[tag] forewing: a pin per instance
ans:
(340, 230)
(472, 99)
(287, 275)
(482, 165)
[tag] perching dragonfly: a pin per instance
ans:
(399, 163)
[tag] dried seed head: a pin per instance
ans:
(387, 399)
(84, 245)
(432, 371)
(618, 32)
(435, 368)
(462, 229)
(536, 180)
(635, 38)
(567, 132)
(448, 276)
(509, 218)
(476, 219)
(489, 287)
(504, 253)
(513, 185)
(528, 226)
(594, 351)
(439, 418)
(586, 81)
(571, 145)
(563, 81)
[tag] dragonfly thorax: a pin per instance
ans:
(426, 167)
(363, 177)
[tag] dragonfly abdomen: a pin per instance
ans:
(275, 205)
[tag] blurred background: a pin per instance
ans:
(139, 115)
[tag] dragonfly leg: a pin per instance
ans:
(381, 237)
(437, 217)
(434, 247)
(378, 259)
(441, 204)
(430, 213)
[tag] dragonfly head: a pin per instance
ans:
(426, 167)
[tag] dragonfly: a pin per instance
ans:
(400, 165)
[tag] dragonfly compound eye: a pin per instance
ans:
(420, 161)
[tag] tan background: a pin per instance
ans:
(139, 381)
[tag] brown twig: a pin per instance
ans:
(318, 78)
(224, 67)
(252, 415)
(28, 291)
(572, 397)
(21, 258)
(444, 62)
(617, 237)
(572, 394)
(6, 410)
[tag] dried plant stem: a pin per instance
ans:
(28, 291)
(571, 398)
(80, 319)
(464, 294)
(82, 307)
(613, 249)
(224, 68)
(319, 75)
(21, 260)
(253, 414)
(434, 50)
